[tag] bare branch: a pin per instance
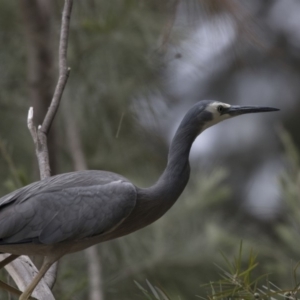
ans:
(63, 68)
(42, 131)
(95, 273)
(65, 26)
(22, 269)
(41, 144)
(31, 126)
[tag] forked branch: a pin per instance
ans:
(39, 135)
(23, 275)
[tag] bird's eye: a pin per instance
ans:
(220, 108)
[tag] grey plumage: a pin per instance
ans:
(65, 207)
(70, 212)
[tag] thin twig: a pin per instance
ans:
(120, 125)
(63, 68)
(39, 135)
(64, 71)
(30, 125)
(23, 275)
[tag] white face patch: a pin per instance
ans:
(217, 117)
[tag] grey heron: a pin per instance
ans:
(69, 212)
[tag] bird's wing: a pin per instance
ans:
(68, 214)
(59, 182)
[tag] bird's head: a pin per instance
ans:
(205, 114)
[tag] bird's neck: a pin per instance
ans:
(172, 182)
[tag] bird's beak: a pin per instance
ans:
(236, 110)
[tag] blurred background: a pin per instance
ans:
(136, 68)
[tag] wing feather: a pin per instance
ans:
(72, 213)
(60, 182)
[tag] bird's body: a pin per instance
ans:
(70, 212)
(76, 210)
(63, 208)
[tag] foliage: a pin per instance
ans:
(239, 283)
(290, 181)
(155, 292)
(120, 85)
(251, 278)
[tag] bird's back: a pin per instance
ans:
(60, 182)
(70, 206)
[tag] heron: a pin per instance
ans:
(70, 212)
